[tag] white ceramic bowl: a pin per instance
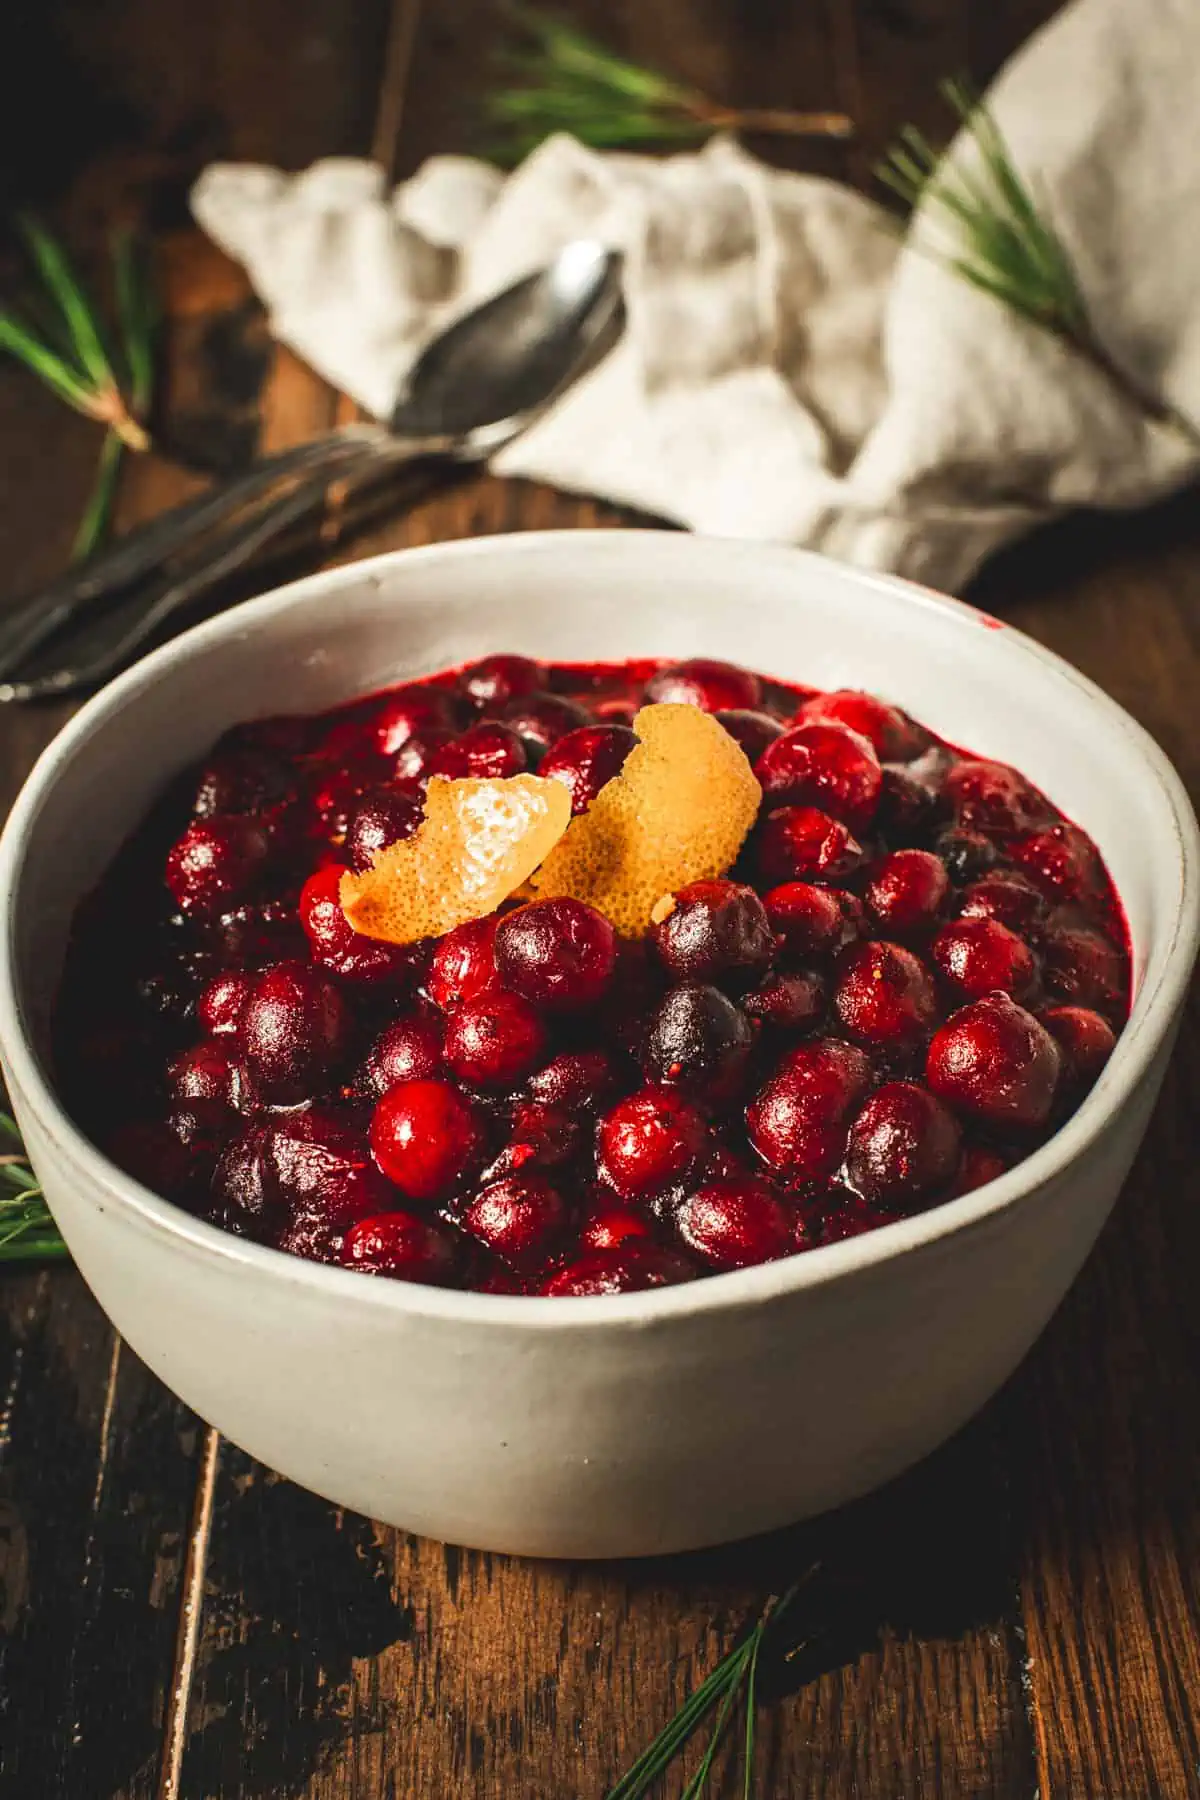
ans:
(654, 1421)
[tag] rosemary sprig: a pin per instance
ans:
(984, 221)
(27, 1231)
(560, 79)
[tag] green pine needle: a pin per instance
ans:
(27, 1231)
(97, 514)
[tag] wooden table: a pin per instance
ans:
(1021, 1614)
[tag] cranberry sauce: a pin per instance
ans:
(912, 976)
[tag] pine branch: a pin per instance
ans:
(27, 1231)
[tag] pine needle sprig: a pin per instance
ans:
(983, 220)
(560, 79)
(27, 1231)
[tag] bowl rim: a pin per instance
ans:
(1151, 1020)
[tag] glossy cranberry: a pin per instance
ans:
(702, 681)
(338, 791)
(991, 797)
(788, 1000)
(219, 1005)
(981, 956)
(908, 810)
(884, 995)
(244, 1199)
(362, 961)
(1084, 968)
(216, 863)
(380, 817)
(210, 1071)
(464, 964)
(699, 1041)
(1060, 860)
(890, 732)
(810, 920)
(519, 1219)
(627, 1270)
(250, 936)
(907, 891)
(903, 1146)
(576, 1081)
(752, 730)
(308, 1235)
(243, 781)
(797, 1122)
(541, 720)
(495, 680)
(408, 1050)
(977, 1166)
(734, 1224)
(494, 1041)
(416, 756)
(296, 1032)
(488, 752)
(835, 1216)
(317, 1164)
(715, 931)
(402, 1247)
(1007, 896)
(427, 1138)
(647, 1141)
(1085, 1040)
(558, 954)
(204, 1128)
(800, 843)
(609, 1227)
(994, 1062)
(827, 766)
(540, 1137)
(412, 712)
(966, 854)
(586, 759)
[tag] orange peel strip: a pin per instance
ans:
(478, 842)
(679, 811)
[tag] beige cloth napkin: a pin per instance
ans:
(790, 369)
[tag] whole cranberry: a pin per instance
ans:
(801, 843)
(414, 760)
(977, 1166)
(715, 931)
(903, 1146)
(203, 1127)
(734, 1224)
(586, 759)
(380, 817)
(464, 964)
(540, 720)
(907, 891)
(210, 1071)
(991, 797)
(810, 920)
(966, 854)
(243, 1196)
(243, 780)
(1007, 896)
(1084, 968)
(908, 808)
(219, 1005)
(698, 1041)
(628, 1269)
(216, 863)
(319, 1166)
(408, 1050)
(892, 733)
(788, 1000)
(248, 937)
(609, 1227)
(704, 682)
(994, 1062)
(981, 956)
(827, 766)
(558, 954)
(308, 1235)
(296, 1032)
(752, 730)
(495, 680)
(1061, 860)
(486, 752)
(540, 1137)
(494, 1041)
(335, 944)
(1085, 1040)
(884, 995)
(409, 712)
(427, 1138)
(519, 1219)
(797, 1121)
(835, 1215)
(339, 789)
(647, 1141)
(402, 1247)
(576, 1081)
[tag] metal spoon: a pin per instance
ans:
(473, 389)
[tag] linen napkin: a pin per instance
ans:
(791, 368)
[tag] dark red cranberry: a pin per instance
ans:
(408, 1050)
(203, 1127)
(558, 954)
(410, 712)
(991, 797)
(788, 1000)
(541, 720)
(981, 956)
(827, 766)
(519, 1219)
(1085, 1040)
(903, 1146)
(715, 931)
(752, 730)
(244, 1198)
(734, 1224)
(626, 1270)
(834, 1216)
(698, 1041)
(585, 760)
(339, 789)
(891, 733)
(309, 1236)
(1061, 860)
(380, 817)
(402, 1247)
(216, 863)
(799, 843)
(966, 854)
(220, 1005)
(490, 752)
(416, 756)
(977, 1166)
(296, 1031)
(704, 682)
(1082, 967)
(464, 964)
(427, 1138)
(797, 1121)
(809, 920)
(884, 995)
(647, 1141)
(319, 1166)
(994, 1062)
(609, 1227)
(540, 1137)
(250, 936)
(153, 1155)
(1007, 896)
(243, 781)
(495, 680)
(495, 1041)
(908, 810)
(335, 944)
(210, 1071)
(907, 891)
(576, 1081)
